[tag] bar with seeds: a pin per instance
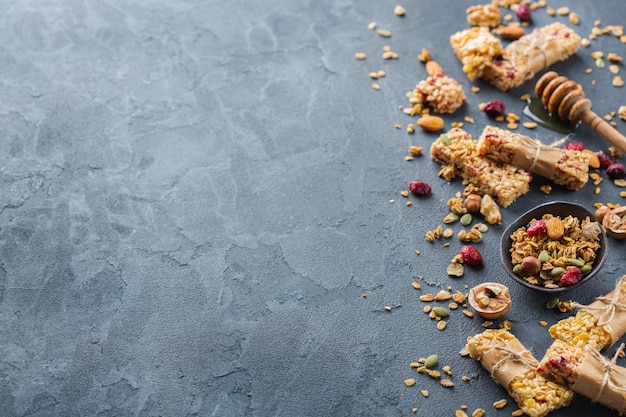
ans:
(522, 59)
(441, 92)
(457, 152)
(514, 367)
(477, 49)
(569, 168)
(598, 325)
(587, 373)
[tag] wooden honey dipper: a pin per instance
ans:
(566, 100)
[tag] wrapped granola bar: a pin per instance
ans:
(569, 168)
(514, 367)
(458, 154)
(530, 54)
(598, 325)
(587, 372)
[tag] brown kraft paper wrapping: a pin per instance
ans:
(611, 311)
(507, 360)
(543, 49)
(602, 381)
(537, 158)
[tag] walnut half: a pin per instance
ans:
(490, 299)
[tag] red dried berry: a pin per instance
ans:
(571, 276)
(559, 362)
(419, 188)
(616, 171)
(494, 108)
(523, 13)
(536, 228)
(605, 159)
(575, 146)
(471, 255)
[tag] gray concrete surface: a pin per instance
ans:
(195, 195)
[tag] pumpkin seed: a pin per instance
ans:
(577, 262)
(552, 302)
(431, 361)
(384, 33)
(557, 271)
(585, 268)
(543, 256)
(482, 227)
(444, 138)
(466, 219)
(517, 269)
(441, 311)
(599, 63)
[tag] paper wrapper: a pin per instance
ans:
(546, 46)
(568, 168)
(602, 381)
(508, 359)
(530, 54)
(611, 311)
(515, 368)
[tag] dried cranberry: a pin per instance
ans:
(523, 12)
(471, 255)
(560, 362)
(616, 171)
(575, 146)
(536, 228)
(419, 188)
(605, 159)
(571, 276)
(494, 108)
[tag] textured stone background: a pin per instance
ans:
(195, 195)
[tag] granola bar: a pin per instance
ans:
(457, 152)
(586, 372)
(581, 330)
(598, 325)
(561, 363)
(441, 92)
(569, 168)
(477, 49)
(514, 367)
(530, 54)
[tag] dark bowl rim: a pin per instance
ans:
(505, 243)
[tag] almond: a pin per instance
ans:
(554, 228)
(594, 161)
(430, 123)
(511, 32)
(433, 68)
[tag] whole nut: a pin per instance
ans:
(472, 203)
(554, 228)
(430, 123)
(511, 32)
(433, 68)
(531, 265)
(601, 212)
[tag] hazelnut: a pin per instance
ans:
(491, 300)
(472, 203)
(531, 265)
(601, 212)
